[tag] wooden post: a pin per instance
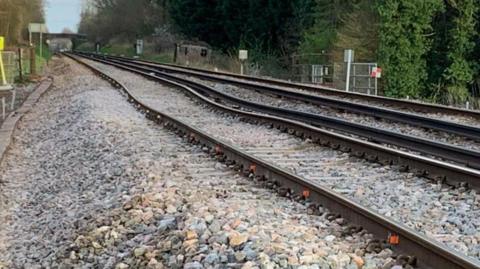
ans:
(175, 54)
(4, 114)
(33, 68)
(14, 95)
(20, 66)
(41, 42)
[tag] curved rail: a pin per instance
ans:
(444, 151)
(429, 253)
(390, 114)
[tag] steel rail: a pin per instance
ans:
(442, 150)
(394, 115)
(429, 253)
(453, 174)
(389, 114)
(402, 103)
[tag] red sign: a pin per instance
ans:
(376, 72)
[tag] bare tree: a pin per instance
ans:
(124, 19)
(15, 15)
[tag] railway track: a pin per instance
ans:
(355, 121)
(365, 124)
(435, 169)
(343, 100)
(393, 103)
(429, 253)
(359, 119)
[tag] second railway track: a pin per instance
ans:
(431, 168)
(324, 111)
(430, 254)
(401, 110)
(442, 112)
(360, 119)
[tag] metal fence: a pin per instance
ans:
(362, 80)
(10, 63)
(313, 73)
(18, 63)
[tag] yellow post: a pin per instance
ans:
(3, 85)
(4, 79)
(2, 70)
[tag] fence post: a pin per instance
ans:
(369, 79)
(33, 68)
(20, 67)
(14, 95)
(3, 108)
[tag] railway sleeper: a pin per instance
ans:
(283, 192)
(351, 230)
(371, 158)
(312, 209)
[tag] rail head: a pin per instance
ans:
(365, 109)
(414, 104)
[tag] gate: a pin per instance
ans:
(362, 80)
(321, 74)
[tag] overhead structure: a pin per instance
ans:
(39, 28)
(58, 42)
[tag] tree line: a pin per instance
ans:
(104, 20)
(428, 49)
(15, 15)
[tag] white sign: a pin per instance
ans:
(139, 46)
(348, 56)
(37, 28)
(243, 55)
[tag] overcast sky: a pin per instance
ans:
(61, 14)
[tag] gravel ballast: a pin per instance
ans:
(446, 214)
(90, 183)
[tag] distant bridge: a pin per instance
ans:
(63, 41)
(65, 35)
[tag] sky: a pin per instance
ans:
(61, 14)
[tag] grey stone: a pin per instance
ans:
(215, 227)
(240, 256)
(212, 258)
(193, 265)
(223, 258)
(250, 254)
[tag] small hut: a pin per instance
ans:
(192, 53)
